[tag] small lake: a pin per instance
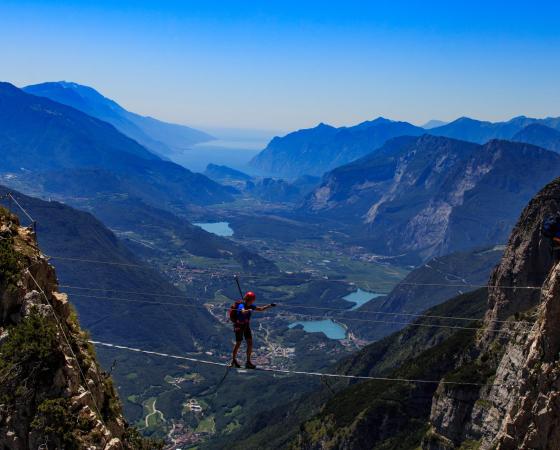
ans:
(360, 298)
(329, 328)
(219, 228)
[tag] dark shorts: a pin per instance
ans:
(241, 331)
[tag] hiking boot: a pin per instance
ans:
(249, 365)
(235, 364)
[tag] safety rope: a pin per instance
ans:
(339, 318)
(9, 196)
(287, 371)
(339, 310)
(405, 283)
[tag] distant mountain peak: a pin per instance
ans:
(381, 119)
(8, 88)
(317, 150)
(375, 122)
(464, 119)
(165, 139)
(433, 123)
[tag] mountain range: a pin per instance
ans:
(318, 150)
(162, 138)
(433, 124)
(428, 196)
(479, 131)
(387, 186)
(54, 149)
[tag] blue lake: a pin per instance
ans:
(331, 329)
(219, 228)
(361, 297)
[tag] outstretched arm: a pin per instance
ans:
(264, 308)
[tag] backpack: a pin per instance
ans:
(233, 310)
(551, 226)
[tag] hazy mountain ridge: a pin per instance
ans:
(222, 173)
(317, 150)
(70, 153)
(418, 196)
(540, 135)
(433, 124)
(480, 131)
(160, 137)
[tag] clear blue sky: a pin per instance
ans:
(291, 64)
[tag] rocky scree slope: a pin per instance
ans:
(52, 391)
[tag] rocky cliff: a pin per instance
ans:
(521, 408)
(53, 393)
(430, 196)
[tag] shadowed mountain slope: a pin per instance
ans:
(317, 150)
(540, 135)
(66, 152)
(72, 235)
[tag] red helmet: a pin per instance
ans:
(250, 296)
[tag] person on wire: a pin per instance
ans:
(240, 315)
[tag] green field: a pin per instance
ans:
(206, 425)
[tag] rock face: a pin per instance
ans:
(521, 409)
(52, 392)
(430, 196)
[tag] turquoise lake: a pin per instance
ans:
(361, 297)
(330, 329)
(218, 228)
